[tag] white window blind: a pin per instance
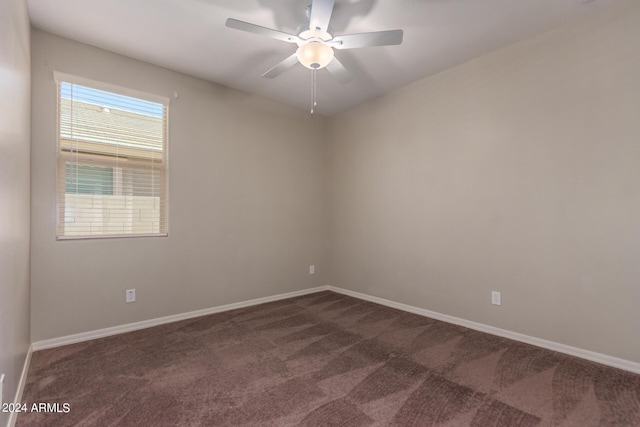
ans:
(112, 162)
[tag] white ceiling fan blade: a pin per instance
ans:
(282, 66)
(338, 71)
(263, 31)
(321, 11)
(378, 38)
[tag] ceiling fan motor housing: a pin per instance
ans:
(306, 33)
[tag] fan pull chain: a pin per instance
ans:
(314, 101)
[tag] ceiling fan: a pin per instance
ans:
(315, 41)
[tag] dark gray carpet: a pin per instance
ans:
(323, 360)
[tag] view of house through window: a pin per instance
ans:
(112, 165)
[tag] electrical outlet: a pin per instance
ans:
(496, 298)
(130, 295)
(312, 270)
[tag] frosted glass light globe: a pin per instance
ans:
(314, 55)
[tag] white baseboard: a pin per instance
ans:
(129, 327)
(603, 359)
(13, 417)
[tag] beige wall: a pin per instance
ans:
(246, 202)
(14, 193)
(516, 172)
(519, 172)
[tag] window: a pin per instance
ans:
(112, 161)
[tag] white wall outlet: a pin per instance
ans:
(496, 298)
(130, 295)
(312, 269)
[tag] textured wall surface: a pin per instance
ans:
(15, 128)
(515, 172)
(247, 209)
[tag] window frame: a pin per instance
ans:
(62, 160)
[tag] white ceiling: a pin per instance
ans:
(190, 36)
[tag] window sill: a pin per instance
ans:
(110, 236)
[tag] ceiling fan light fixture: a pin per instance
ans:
(314, 55)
